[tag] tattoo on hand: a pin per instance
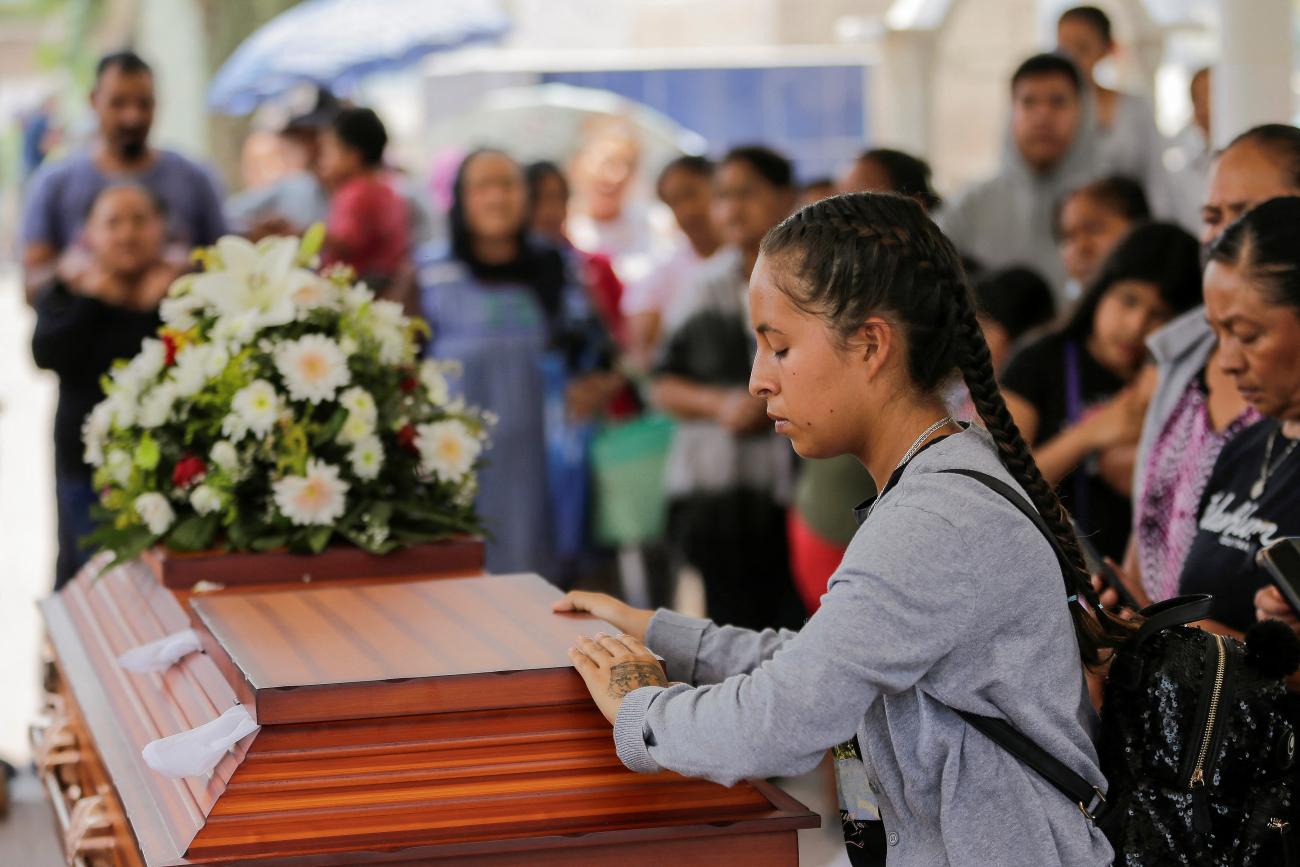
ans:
(627, 676)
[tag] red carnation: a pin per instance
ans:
(408, 384)
(172, 347)
(406, 437)
(188, 470)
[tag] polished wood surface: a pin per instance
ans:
(90, 624)
(535, 782)
(177, 570)
(414, 647)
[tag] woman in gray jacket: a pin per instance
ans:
(947, 599)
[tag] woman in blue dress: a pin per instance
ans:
(504, 306)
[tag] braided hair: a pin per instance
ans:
(865, 254)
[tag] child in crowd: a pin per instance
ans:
(1069, 391)
(1091, 221)
(368, 224)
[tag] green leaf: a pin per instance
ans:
(194, 533)
(363, 542)
(147, 452)
(331, 429)
(269, 543)
(312, 240)
(318, 538)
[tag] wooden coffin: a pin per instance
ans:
(428, 721)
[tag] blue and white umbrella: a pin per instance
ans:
(332, 43)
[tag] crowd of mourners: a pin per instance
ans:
(1144, 323)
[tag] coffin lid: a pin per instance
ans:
(432, 646)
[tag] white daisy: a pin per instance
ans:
(319, 497)
(156, 406)
(447, 449)
(367, 458)
(196, 365)
(434, 381)
(388, 325)
(313, 367)
(156, 512)
(355, 429)
(142, 370)
(205, 500)
(254, 409)
(94, 432)
(224, 456)
(359, 402)
(122, 404)
(313, 294)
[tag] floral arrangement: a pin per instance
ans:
(280, 408)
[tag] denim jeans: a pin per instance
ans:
(74, 496)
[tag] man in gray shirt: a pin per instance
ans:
(60, 194)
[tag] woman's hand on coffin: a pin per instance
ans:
(613, 666)
(633, 621)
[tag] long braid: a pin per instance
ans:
(865, 253)
(1095, 631)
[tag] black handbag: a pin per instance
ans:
(1196, 740)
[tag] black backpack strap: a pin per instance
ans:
(1091, 800)
(1177, 611)
(1026, 508)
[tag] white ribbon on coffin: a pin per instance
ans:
(161, 654)
(196, 752)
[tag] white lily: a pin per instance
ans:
(256, 283)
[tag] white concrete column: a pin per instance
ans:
(1252, 80)
(902, 91)
(169, 35)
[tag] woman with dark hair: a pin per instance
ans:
(882, 170)
(501, 304)
(728, 477)
(947, 600)
(1195, 409)
(1252, 300)
(821, 522)
(84, 325)
(685, 186)
(548, 212)
(1069, 390)
(1090, 221)
(1013, 304)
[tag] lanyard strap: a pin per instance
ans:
(1074, 414)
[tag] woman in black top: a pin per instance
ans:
(1252, 300)
(1070, 392)
(87, 320)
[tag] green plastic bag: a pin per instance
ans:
(627, 463)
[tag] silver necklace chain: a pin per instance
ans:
(916, 446)
(911, 453)
(1265, 470)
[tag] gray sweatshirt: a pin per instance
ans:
(947, 597)
(1008, 218)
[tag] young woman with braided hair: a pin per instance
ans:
(948, 599)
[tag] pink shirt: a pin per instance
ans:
(1177, 469)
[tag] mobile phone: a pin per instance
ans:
(1282, 560)
(1097, 564)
